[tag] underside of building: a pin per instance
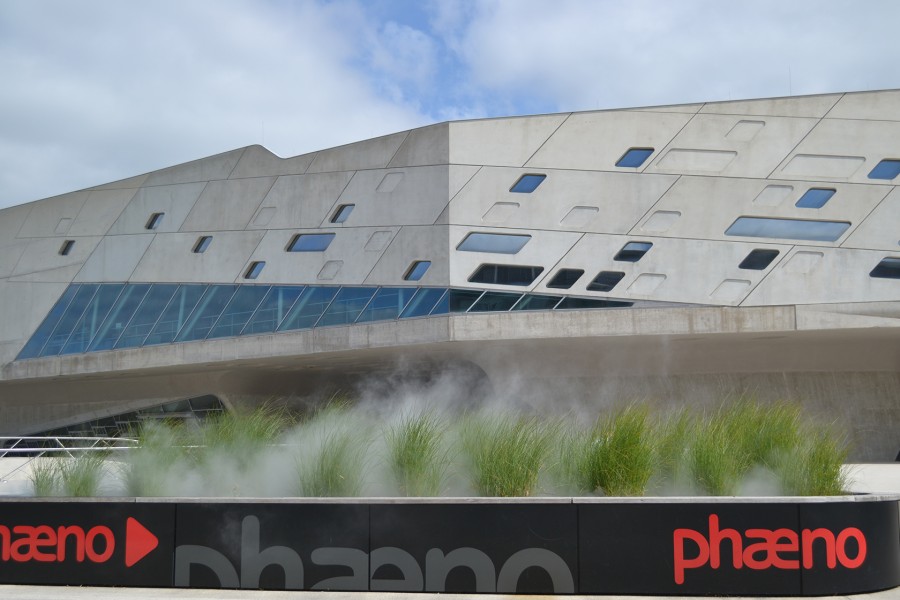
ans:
(678, 255)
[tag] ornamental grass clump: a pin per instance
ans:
(242, 435)
(762, 434)
(417, 456)
(334, 443)
(506, 453)
(715, 460)
(674, 435)
(616, 457)
(81, 476)
(815, 466)
(44, 476)
(148, 467)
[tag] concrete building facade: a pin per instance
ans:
(678, 255)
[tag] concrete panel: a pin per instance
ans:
(875, 106)
(42, 255)
(258, 161)
(52, 216)
(412, 196)
(300, 201)
(879, 230)
(618, 199)
(348, 246)
(709, 205)
(123, 184)
(596, 141)
(60, 274)
(759, 145)
(500, 142)
(804, 106)
(840, 275)
(170, 257)
(115, 258)
(100, 211)
(227, 205)
(369, 154)
(218, 166)
(175, 201)
(11, 251)
(674, 108)
(11, 220)
(871, 140)
(424, 146)
(673, 270)
(412, 244)
(24, 306)
(544, 249)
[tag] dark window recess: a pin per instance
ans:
(343, 211)
(888, 268)
(633, 251)
(154, 220)
(565, 278)
(495, 302)
(506, 274)
(889, 168)
(457, 301)
(66, 247)
(310, 242)
(605, 281)
(255, 269)
(202, 244)
(815, 198)
(573, 303)
(537, 302)
(758, 260)
(417, 270)
(527, 183)
(634, 158)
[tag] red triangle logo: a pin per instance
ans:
(139, 542)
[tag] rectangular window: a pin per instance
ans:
(176, 313)
(343, 211)
(792, 229)
(202, 244)
(634, 157)
(274, 307)
(495, 302)
(886, 169)
(346, 306)
(576, 303)
(310, 242)
(146, 315)
(605, 281)
(758, 260)
(422, 303)
(633, 251)
(207, 313)
(239, 310)
(119, 316)
(527, 183)
(499, 243)
(254, 269)
(154, 220)
(308, 308)
(417, 270)
(537, 302)
(387, 304)
(66, 247)
(506, 274)
(888, 268)
(565, 278)
(815, 198)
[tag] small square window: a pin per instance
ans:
(343, 211)
(565, 278)
(417, 270)
(634, 158)
(605, 281)
(255, 269)
(154, 221)
(310, 242)
(758, 259)
(202, 244)
(527, 183)
(66, 247)
(888, 268)
(815, 198)
(633, 251)
(889, 168)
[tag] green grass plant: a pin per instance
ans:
(815, 466)
(82, 475)
(417, 456)
(332, 464)
(673, 433)
(44, 476)
(147, 468)
(715, 460)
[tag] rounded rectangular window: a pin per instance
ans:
(506, 275)
(815, 198)
(793, 229)
(66, 247)
(202, 244)
(527, 183)
(255, 269)
(633, 251)
(888, 268)
(417, 270)
(310, 242)
(343, 211)
(498, 243)
(565, 278)
(154, 220)
(605, 281)
(758, 260)
(888, 169)
(634, 157)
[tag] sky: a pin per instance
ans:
(92, 91)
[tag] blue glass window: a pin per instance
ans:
(815, 198)
(146, 315)
(565, 278)
(119, 317)
(308, 308)
(387, 304)
(758, 259)
(255, 269)
(500, 243)
(202, 244)
(346, 306)
(456, 301)
(66, 247)
(273, 308)
(576, 303)
(343, 211)
(889, 168)
(417, 270)
(495, 302)
(633, 251)
(207, 312)
(537, 302)
(888, 268)
(423, 302)
(154, 220)
(605, 281)
(634, 158)
(42, 333)
(310, 242)
(506, 274)
(93, 317)
(69, 319)
(239, 310)
(796, 229)
(175, 314)
(527, 183)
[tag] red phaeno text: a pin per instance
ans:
(46, 544)
(768, 548)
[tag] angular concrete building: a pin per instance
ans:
(678, 255)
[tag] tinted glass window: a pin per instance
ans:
(154, 220)
(387, 304)
(422, 302)
(506, 274)
(633, 251)
(537, 302)
(255, 269)
(346, 306)
(815, 198)
(795, 229)
(42, 334)
(495, 302)
(239, 310)
(207, 312)
(272, 310)
(886, 169)
(888, 268)
(119, 317)
(417, 270)
(66, 247)
(146, 315)
(527, 183)
(565, 278)
(343, 211)
(310, 242)
(93, 317)
(634, 158)
(69, 319)
(202, 244)
(175, 314)
(574, 303)
(499, 243)
(456, 301)
(308, 308)
(758, 260)
(605, 281)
